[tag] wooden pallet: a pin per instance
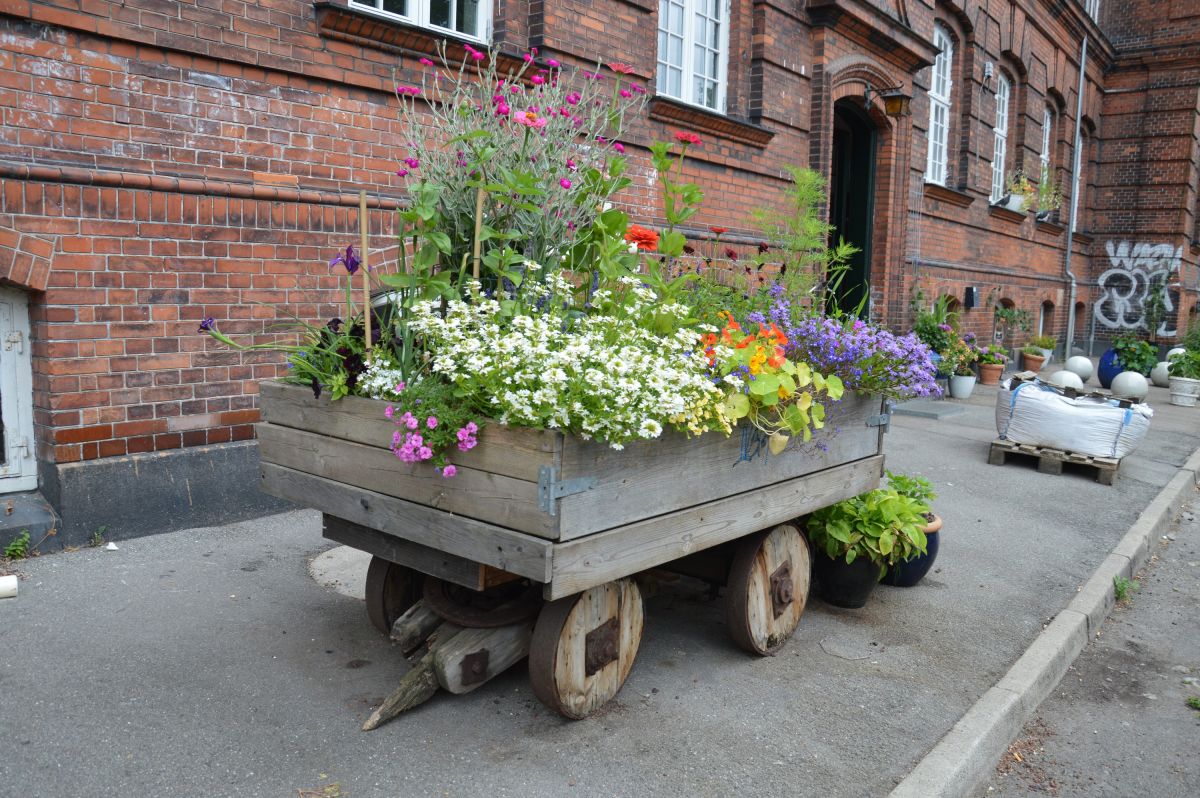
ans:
(1050, 461)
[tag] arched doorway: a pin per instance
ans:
(851, 200)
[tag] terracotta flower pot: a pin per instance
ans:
(989, 373)
(1033, 362)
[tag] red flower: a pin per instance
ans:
(645, 238)
(719, 230)
(687, 137)
(731, 254)
(621, 69)
(763, 246)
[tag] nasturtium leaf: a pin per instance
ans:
(777, 442)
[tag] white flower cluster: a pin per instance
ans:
(382, 379)
(601, 376)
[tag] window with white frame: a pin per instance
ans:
(1000, 137)
(467, 18)
(693, 45)
(1047, 127)
(1093, 8)
(939, 106)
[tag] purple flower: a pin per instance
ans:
(431, 422)
(565, 183)
(208, 325)
(412, 163)
(347, 259)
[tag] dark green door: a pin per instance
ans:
(851, 199)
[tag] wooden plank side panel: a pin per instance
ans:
(515, 452)
(650, 478)
(478, 541)
(481, 495)
(404, 552)
(593, 560)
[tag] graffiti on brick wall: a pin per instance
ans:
(1137, 270)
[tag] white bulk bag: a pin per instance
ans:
(1039, 414)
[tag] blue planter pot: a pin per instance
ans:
(1109, 368)
(936, 360)
(908, 574)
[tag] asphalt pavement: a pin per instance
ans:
(208, 662)
(1119, 723)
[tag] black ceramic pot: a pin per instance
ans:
(844, 585)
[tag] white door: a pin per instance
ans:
(18, 466)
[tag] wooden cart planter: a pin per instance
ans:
(576, 518)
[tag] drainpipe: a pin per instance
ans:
(1075, 199)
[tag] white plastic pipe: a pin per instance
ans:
(8, 586)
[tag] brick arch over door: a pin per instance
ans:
(847, 78)
(25, 259)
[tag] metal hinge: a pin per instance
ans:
(882, 420)
(15, 338)
(550, 489)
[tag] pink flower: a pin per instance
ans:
(573, 98)
(389, 411)
(626, 93)
(401, 173)
(537, 80)
(620, 68)
(431, 422)
(425, 452)
(571, 164)
(564, 183)
(514, 89)
(413, 163)
(449, 471)
(471, 428)
(638, 89)
(426, 62)
(399, 387)
(687, 137)
(408, 90)
(410, 422)
(550, 62)
(531, 119)
(502, 109)
(619, 147)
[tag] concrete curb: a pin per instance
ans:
(962, 761)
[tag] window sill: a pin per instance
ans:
(363, 27)
(1053, 228)
(664, 109)
(951, 196)
(649, 6)
(1000, 212)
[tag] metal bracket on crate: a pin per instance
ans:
(881, 420)
(550, 489)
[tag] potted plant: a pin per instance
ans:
(1185, 378)
(1046, 343)
(957, 360)
(991, 364)
(1048, 197)
(1128, 353)
(858, 539)
(935, 327)
(1021, 193)
(910, 572)
(1034, 358)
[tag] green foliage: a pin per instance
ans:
(1155, 307)
(1123, 589)
(1191, 339)
(993, 355)
(1010, 319)
(1035, 351)
(1185, 364)
(1135, 354)
(882, 525)
(1193, 702)
(1049, 195)
(97, 538)
(917, 488)
(1043, 341)
(937, 325)
(18, 548)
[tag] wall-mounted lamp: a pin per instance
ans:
(970, 297)
(895, 101)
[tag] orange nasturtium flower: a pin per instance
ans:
(645, 238)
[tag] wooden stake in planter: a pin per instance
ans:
(362, 227)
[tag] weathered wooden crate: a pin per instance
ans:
(569, 513)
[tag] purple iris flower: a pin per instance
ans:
(207, 325)
(347, 259)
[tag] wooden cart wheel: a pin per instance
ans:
(584, 645)
(391, 590)
(768, 587)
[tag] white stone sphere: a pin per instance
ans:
(1130, 385)
(1080, 366)
(1179, 350)
(1159, 374)
(1066, 379)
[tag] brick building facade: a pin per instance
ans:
(161, 162)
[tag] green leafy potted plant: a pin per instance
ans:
(857, 540)
(1128, 353)
(1046, 343)
(909, 572)
(957, 360)
(1034, 358)
(1048, 197)
(1021, 193)
(1185, 378)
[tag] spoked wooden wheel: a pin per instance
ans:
(767, 588)
(584, 646)
(391, 590)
